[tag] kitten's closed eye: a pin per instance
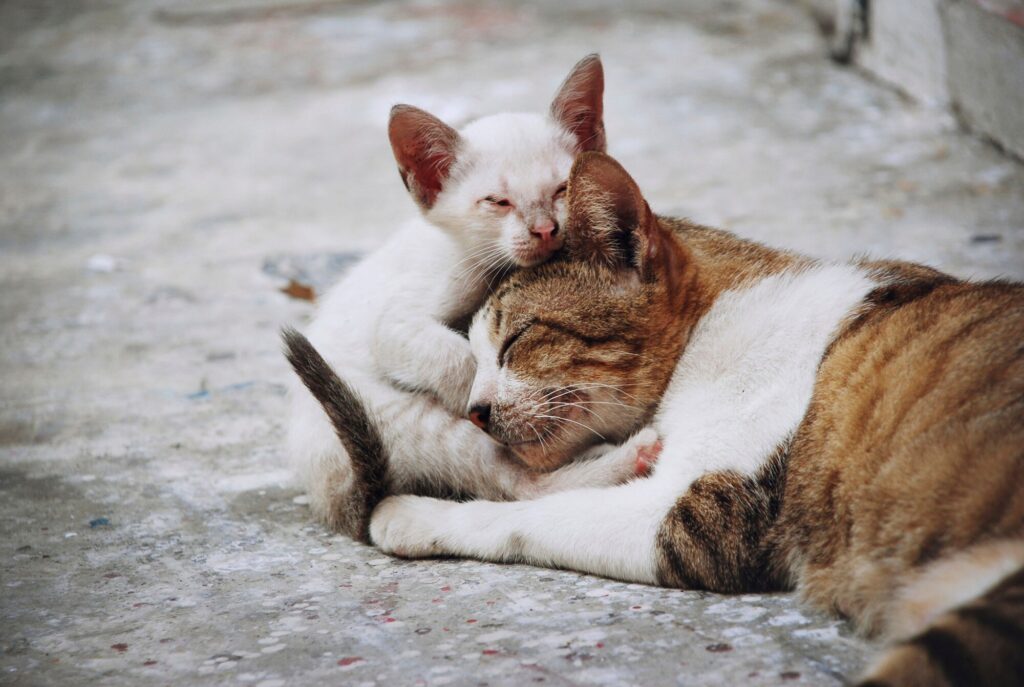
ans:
(499, 202)
(560, 191)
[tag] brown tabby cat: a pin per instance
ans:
(854, 431)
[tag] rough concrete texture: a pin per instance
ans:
(986, 71)
(165, 163)
(967, 55)
(906, 45)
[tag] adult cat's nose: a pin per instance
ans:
(544, 229)
(480, 415)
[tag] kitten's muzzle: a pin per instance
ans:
(545, 229)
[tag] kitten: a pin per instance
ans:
(854, 431)
(492, 198)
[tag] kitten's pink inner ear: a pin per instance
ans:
(579, 104)
(424, 148)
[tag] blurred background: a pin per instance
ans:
(178, 178)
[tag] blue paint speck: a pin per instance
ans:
(99, 522)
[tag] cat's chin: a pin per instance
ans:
(534, 255)
(539, 456)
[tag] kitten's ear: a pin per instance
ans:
(579, 105)
(610, 223)
(424, 148)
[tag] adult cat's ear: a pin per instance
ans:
(425, 149)
(609, 221)
(579, 105)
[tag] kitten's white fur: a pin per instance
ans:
(740, 389)
(384, 327)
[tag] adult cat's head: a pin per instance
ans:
(581, 348)
(498, 185)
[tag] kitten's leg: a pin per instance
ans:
(423, 354)
(611, 532)
(435, 448)
(602, 466)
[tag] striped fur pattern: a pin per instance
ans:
(852, 431)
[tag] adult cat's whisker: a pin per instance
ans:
(560, 392)
(564, 391)
(599, 385)
(603, 403)
(553, 408)
(565, 419)
(540, 439)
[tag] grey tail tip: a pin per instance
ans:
(354, 426)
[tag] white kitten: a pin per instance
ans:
(492, 199)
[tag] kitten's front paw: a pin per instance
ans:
(405, 526)
(635, 457)
(645, 448)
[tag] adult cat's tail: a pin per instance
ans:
(977, 644)
(355, 428)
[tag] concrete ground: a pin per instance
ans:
(165, 164)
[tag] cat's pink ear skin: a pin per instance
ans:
(425, 149)
(579, 105)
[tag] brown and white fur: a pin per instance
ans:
(492, 199)
(854, 431)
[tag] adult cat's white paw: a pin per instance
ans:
(407, 526)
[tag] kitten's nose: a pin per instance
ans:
(545, 229)
(480, 415)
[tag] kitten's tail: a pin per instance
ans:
(979, 643)
(355, 428)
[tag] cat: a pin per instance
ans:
(492, 198)
(852, 431)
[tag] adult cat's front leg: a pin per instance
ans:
(611, 532)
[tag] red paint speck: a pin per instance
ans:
(471, 621)
(436, 601)
(489, 652)
(446, 629)
(600, 645)
(150, 662)
(349, 660)
(121, 647)
(446, 588)
(388, 619)
(637, 608)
